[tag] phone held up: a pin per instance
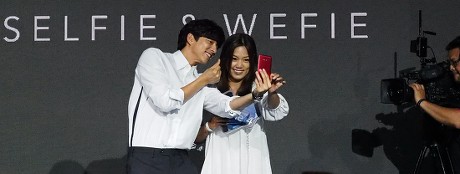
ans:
(265, 62)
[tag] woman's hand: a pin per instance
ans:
(263, 82)
(276, 83)
(217, 121)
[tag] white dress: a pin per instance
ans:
(246, 150)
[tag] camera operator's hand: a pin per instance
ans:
(419, 91)
(447, 116)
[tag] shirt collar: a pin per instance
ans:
(181, 61)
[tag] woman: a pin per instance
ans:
(243, 150)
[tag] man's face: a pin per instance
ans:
(455, 63)
(202, 49)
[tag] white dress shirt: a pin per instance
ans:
(163, 119)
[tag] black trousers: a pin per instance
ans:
(145, 160)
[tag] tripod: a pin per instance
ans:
(443, 158)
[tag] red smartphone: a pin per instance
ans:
(265, 62)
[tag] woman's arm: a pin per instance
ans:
(209, 127)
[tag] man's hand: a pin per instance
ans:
(447, 116)
(419, 91)
(212, 74)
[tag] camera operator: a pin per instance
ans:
(444, 115)
(449, 116)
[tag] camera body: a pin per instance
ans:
(438, 83)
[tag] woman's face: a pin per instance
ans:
(239, 67)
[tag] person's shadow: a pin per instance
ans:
(67, 167)
(105, 166)
(403, 137)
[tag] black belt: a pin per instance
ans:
(158, 150)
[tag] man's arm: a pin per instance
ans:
(263, 84)
(151, 73)
(221, 105)
(447, 116)
(210, 76)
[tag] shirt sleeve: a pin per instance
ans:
(277, 113)
(151, 71)
(218, 103)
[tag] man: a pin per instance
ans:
(168, 97)
(444, 115)
(447, 116)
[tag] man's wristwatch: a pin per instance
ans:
(256, 96)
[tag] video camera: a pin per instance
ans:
(434, 76)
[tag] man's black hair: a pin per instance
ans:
(201, 28)
(453, 44)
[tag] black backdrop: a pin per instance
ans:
(67, 70)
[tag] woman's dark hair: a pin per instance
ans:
(201, 28)
(226, 57)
